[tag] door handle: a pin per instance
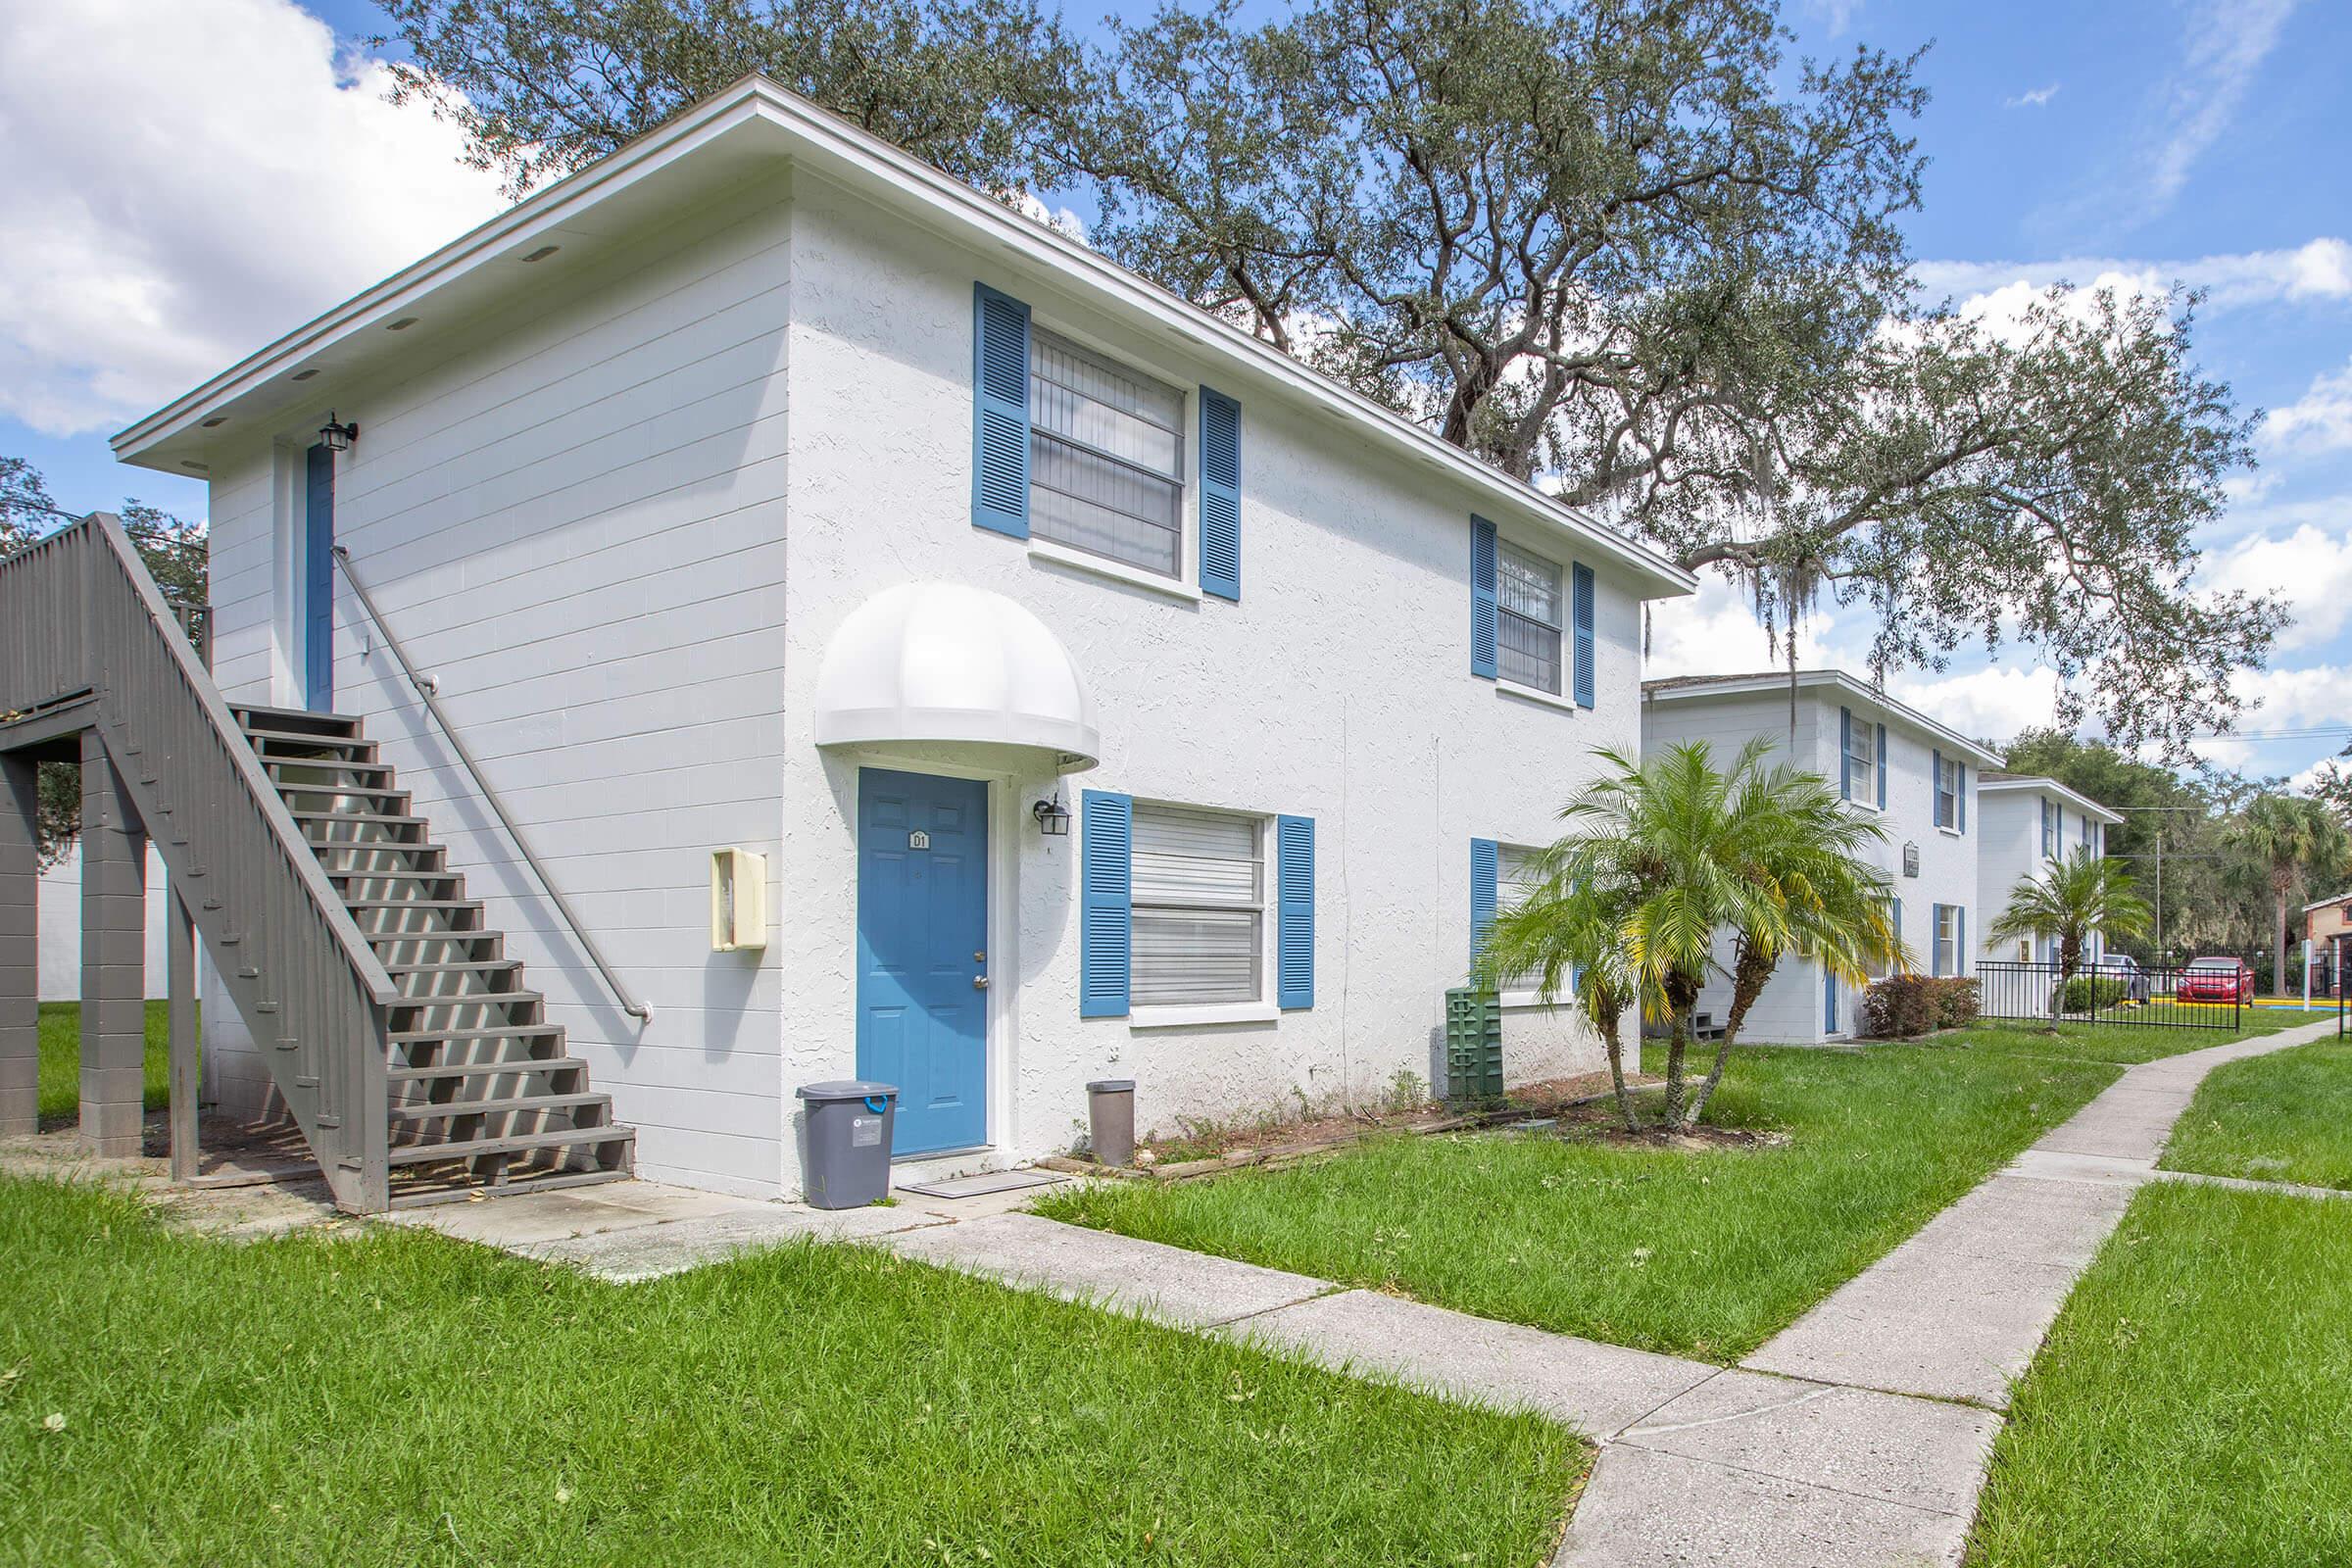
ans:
(979, 982)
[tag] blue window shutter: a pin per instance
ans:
(1845, 753)
(1484, 630)
(1220, 495)
(1486, 864)
(1294, 896)
(1960, 939)
(2058, 815)
(1936, 940)
(1105, 913)
(1580, 622)
(1896, 966)
(1000, 413)
(1960, 795)
(1881, 754)
(1828, 999)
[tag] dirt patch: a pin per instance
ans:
(1598, 1121)
(251, 1181)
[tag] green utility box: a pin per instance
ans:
(1473, 1048)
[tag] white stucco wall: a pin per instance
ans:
(1339, 688)
(1791, 1007)
(59, 915)
(618, 527)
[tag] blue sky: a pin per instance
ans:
(2141, 142)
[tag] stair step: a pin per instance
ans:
(485, 1069)
(434, 1037)
(514, 1144)
(430, 1197)
(301, 719)
(444, 1111)
(465, 966)
(326, 764)
(454, 905)
(403, 818)
(346, 744)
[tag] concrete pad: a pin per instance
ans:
(2241, 1183)
(1917, 1453)
(2025, 1219)
(628, 1254)
(526, 1218)
(1595, 1389)
(1191, 1290)
(2114, 1135)
(1643, 1509)
(2052, 1166)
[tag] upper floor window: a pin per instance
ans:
(1948, 783)
(1862, 760)
(1527, 599)
(2050, 831)
(1200, 904)
(1107, 457)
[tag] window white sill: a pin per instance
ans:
(1949, 832)
(1534, 694)
(1520, 1000)
(1195, 1017)
(1863, 806)
(1116, 572)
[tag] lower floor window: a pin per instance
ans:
(1199, 907)
(1948, 939)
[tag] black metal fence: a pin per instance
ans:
(2144, 998)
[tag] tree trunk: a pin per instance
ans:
(1681, 997)
(1749, 973)
(1610, 1034)
(2279, 887)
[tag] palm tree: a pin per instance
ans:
(1662, 856)
(2069, 900)
(2290, 836)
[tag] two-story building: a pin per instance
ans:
(1914, 777)
(1090, 688)
(2024, 824)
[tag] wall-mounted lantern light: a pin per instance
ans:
(1052, 817)
(1910, 860)
(338, 437)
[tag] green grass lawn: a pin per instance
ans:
(2188, 1409)
(2126, 1044)
(1696, 1253)
(2285, 1117)
(392, 1397)
(61, 1057)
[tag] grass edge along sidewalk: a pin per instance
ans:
(2285, 1117)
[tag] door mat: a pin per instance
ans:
(994, 1181)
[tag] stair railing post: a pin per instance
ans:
(20, 946)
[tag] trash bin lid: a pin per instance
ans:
(846, 1089)
(1111, 1085)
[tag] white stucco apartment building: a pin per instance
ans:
(760, 488)
(1913, 776)
(2024, 824)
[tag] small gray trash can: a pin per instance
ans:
(846, 1155)
(1110, 1120)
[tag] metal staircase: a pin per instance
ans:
(399, 1036)
(481, 1090)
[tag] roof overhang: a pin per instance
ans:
(2031, 784)
(1815, 682)
(751, 130)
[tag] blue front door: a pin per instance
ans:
(318, 582)
(922, 952)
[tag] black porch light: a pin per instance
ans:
(1052, 817)
(338, 437)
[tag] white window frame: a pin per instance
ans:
(1257, 1006)
(2052, 846)
(1946, 937)
(1862, 777)
(1558, 630)
(1184, 582)
(1948, 769)
(1523, 991)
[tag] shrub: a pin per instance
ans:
(2091, 992)
(1904, 1006)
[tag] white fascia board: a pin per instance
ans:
(2050, 786)
(832, 146)
(1813, 682)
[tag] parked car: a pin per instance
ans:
(2216, 980)
(2125, 967)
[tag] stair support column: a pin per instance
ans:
(181, 966)
(114, 959)
(20, 946)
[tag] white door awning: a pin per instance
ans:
(942, 663)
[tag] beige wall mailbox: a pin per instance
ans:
(738, 899)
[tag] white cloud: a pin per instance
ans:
(1062, 219)
(2293, 699)
(2033, 99)
(187, 183)
(2227, 42)
(2318, 271)
(1992, 703)
(1715, 632)
(2320, 420)
(2312, 567)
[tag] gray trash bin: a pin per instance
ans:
(1110, 1120)
(846, 1158)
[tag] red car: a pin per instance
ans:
(2216, 980)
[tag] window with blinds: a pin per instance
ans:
(1200, 904)
(1107, 457)
(1527, 594)
(1515, 882)
(1862, 760)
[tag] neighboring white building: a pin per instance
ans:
(759, 487)
(1909, 774)
(60, 926)
(2025, 823)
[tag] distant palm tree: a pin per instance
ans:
(2291, 836)
(1660, 857)
(2069, 899)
